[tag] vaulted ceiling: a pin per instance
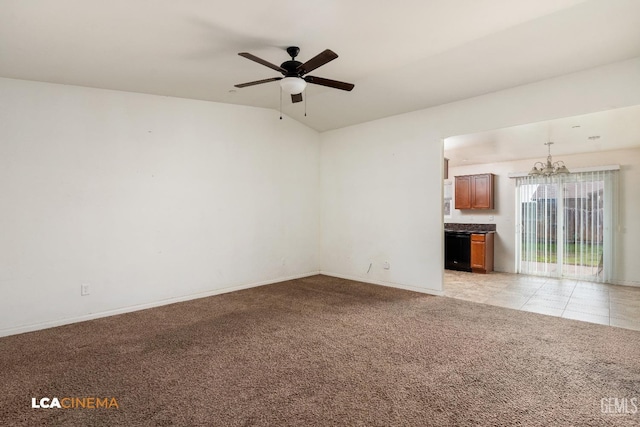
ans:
(402, 56)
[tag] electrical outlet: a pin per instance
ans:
(84, 289)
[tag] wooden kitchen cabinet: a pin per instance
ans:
(474, 191)
(482, 252)
(463, 192)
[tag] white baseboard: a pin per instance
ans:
(60, 322)
(626, 283)
(383, 283)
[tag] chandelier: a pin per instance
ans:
(550, 168)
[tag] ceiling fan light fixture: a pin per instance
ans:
(293, 85)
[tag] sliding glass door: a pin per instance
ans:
(565, 225)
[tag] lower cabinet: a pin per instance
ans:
(482, 253)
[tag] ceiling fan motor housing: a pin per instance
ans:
(292, 68)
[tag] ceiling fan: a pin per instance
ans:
(294, 72)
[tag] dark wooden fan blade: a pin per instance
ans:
(263, 62)
(317, 61)
(296, 98)
(329, 83)
(258, 82)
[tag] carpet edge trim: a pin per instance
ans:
(129, 309)
(384, 283)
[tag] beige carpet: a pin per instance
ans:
(319, 352)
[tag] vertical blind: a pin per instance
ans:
(565, 225)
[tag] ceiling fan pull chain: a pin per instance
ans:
(280, 103)
(305, 103)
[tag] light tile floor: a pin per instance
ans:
(572, 299)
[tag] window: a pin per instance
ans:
(565, 225)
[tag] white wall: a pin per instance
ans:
(378, 204)
(152, 199)
(145, 198)
(381, 182)
(627, 236)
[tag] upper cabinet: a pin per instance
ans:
(463, 192)
(474, 191)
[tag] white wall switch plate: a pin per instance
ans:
(84, 289)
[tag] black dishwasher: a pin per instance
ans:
(457, 250)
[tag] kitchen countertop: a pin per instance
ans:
(446, 230)
(472, 228)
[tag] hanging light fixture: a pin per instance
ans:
(550, 168)
(293, 85)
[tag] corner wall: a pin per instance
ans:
(147, 199)
(381, 182)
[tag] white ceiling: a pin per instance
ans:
(402, 56)
(589, 133)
